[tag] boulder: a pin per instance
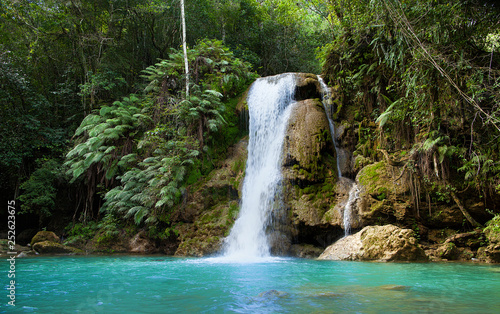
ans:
(381, 243)
(26, 254)
(49, 247)
(448, 251)
(45, 236)
(490, 253)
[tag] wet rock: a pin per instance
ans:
(448, 251)
(490, 253)
(271, 294)
(335, 215)
(395, 287)
(279, 242)
(140, 243)
(345, 161)
(26, 254)
(211, 206)
(305, 251)
(307, 142)
(307, 86)
(49, 247)
(45, 236)
(383, 243)
(382, 198)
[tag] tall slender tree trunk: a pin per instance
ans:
(184, 47)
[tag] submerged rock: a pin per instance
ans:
(45, 236)
(271, 294)
(395, 287)
(382, 243)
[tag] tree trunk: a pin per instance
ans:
(184, 48)
(469, 218)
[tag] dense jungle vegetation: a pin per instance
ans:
(97, 132)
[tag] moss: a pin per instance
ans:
(492, 230)
(194, 176)
(370, 177)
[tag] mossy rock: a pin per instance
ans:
(448, 251)
(204, 236)
(50, 247)
(492, 230)
(45, 236)
(308, 147)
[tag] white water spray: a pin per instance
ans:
(354, 191)
(327, 105)
(268, 102)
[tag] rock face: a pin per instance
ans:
(49, 247)
(45, 236)
(307, 142)
(491, 253)
(380, 195)
(309, 171)
(140, 243)
(380, 243)
(212, 206)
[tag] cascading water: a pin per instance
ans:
(354, 191)
(268, 102)
(327, 104)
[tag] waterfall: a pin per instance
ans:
(354, 191)
(327, 104)
(268, 102)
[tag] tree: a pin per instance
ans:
(184, 47)
(428, 74)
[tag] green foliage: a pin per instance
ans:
(493, 225)
(79, 233)
(107, 133)
(28, 131)
(108, 229)
(212, 67)
(147, 191)
(108, 82)
(153, 166)
(431, 82)
(40, 190)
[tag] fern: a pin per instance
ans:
(101, 133)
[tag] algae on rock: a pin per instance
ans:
(211, 207)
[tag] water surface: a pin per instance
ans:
(138, 284)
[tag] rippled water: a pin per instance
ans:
(130, 284)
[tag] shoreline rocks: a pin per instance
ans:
(377, 243)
